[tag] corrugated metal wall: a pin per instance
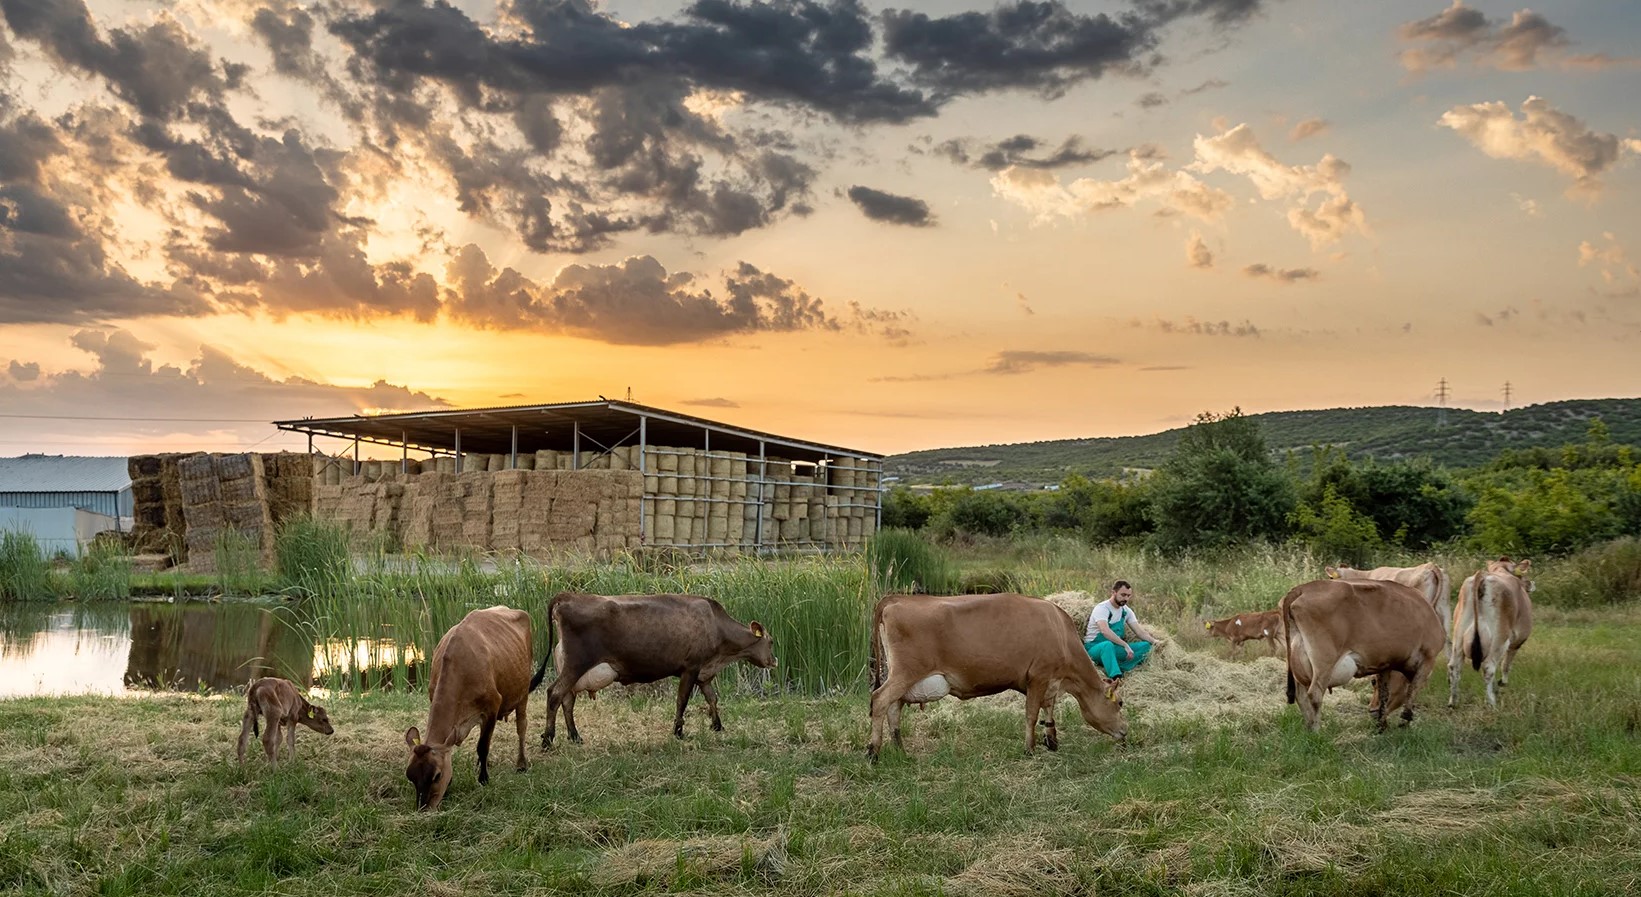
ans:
(114, 504)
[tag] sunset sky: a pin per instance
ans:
(882, 226)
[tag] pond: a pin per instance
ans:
(118, 648)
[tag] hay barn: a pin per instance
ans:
(590, 476)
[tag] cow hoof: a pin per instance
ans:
(484, 777)
(575, 737)
(546, 742)
(1052, 745)
(717, 726)
(678, 734)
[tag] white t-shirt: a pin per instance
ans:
(1108, 611)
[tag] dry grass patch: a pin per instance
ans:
(1022, 866)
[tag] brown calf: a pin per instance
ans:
(276, 702)
(1265, 625)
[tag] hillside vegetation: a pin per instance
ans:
(1396, 432)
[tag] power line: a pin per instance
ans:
(168, 420)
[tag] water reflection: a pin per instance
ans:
(119, 648)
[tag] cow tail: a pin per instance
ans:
(541, 671)
(879, 661)
(256, 713)
(1475, 630)
(1287, 636)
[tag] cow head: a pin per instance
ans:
(1332, 572)
(315, 718)
(762, 650)
(429, 770)
(1100, 701)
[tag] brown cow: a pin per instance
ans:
(277, 703)
(1429, 579)
(604, 639)
(1339, 630)
(480, 673)
(1493, 620)
(1265, 624)
(969, 646)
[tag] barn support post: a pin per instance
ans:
(310, 443)
(877, 497)
(458, 449)
(763, 475)
(575, 445)
(356, 466)
(404, 454)
(643, 492)
(513, 457)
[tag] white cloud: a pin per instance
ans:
(1310, 127)
(1238, 151)
(1544, 135)
(1148, 180)
(1618, 272)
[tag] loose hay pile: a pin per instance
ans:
(1174, 682)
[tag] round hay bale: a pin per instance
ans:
(666, 460)
(527, 462)
(660, 529)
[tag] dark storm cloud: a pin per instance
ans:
(1020, 150)
(53, 269)
(638, 302)
(1039, 46)
(814, 55)
(891, 208)
(157, 68)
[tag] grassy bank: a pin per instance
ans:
(141, 796)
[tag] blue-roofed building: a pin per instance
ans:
(63, 500)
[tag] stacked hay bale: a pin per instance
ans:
(224, 496)
(852, 500)
(147, 502)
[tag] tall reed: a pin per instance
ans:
(102, 573)
(25, 572)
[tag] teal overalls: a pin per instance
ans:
(1109, 657)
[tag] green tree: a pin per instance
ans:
(1337, 531)
(1221, 486)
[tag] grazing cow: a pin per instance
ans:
(1266, 625)
(480, 673)
(1429, 579)
(969, 646)
(1340, 630)
(1492, 622)
(277, 703)
(604, 639)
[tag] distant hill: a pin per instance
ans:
(1396, 432)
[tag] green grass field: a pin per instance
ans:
(1228, 795)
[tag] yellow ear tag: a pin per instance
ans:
(757, 630)
(1208, 626)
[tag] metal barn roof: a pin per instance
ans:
(604, 423)
(63, 473)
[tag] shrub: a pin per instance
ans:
(1334, 529)
(905, 509)
(988, 513)
(1602, 575)
(1220, 487)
